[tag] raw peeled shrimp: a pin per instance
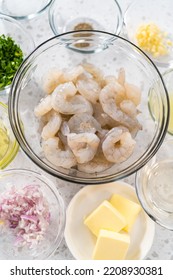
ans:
(83, 145)
(88, 88)
(118, 145)
(94, 71)
(72, 74)
(44, 106)
(102, 118)
(121, 76)
(52, 127)
(129, 108)
(97, 164)
(109, 79)
(57, 156)
(51, 79)
(65, 130)
(108, 100)
(133, 93)
(65, 100)
(83, 122)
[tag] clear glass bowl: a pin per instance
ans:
(153, 104)
(23, 9)
(72, 15)
(12, 28)
(8, 144)
(154, 186)
(109, 53)
(155, 12)
(54, 234)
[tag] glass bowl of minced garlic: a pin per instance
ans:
(148, 24)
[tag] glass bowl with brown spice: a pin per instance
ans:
(73, 15)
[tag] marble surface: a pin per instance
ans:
(162, 247)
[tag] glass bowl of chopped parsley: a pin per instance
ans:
(15, 44)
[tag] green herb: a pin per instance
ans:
(11, 56)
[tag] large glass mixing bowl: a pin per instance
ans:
(109, 53)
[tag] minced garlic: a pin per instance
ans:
(153, 40)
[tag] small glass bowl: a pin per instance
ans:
(153, 104)
(23, 9)
(8, 144)
(155, 12)
(154, 186)
(73, 15)
(19, 178)
(12, 28)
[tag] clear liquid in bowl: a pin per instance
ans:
(160, 186)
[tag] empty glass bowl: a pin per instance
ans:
(8, 144)
(23, 9)
(109, 53)
(148, 24)
(12, 28)
(154, 186)
(72, 15)
(35, 229)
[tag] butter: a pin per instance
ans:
(105, 216)
(111, 245)
(127, 208)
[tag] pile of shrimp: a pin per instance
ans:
(90, 120)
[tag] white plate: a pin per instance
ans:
(81, 241)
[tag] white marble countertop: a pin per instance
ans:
(162, 247)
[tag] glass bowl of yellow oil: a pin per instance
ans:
(8, 144)
(154, 105)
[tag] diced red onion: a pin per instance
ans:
(26, 212)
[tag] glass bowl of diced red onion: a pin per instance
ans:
(79, 107)
(32, 215)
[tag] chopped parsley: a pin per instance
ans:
(11, 56)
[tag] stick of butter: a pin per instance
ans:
(127, 208)
(105, 216)
(111, 245)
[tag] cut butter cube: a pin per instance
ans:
(111, 245)
(105, 216)
(127, 208)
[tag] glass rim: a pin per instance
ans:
(29, 16)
